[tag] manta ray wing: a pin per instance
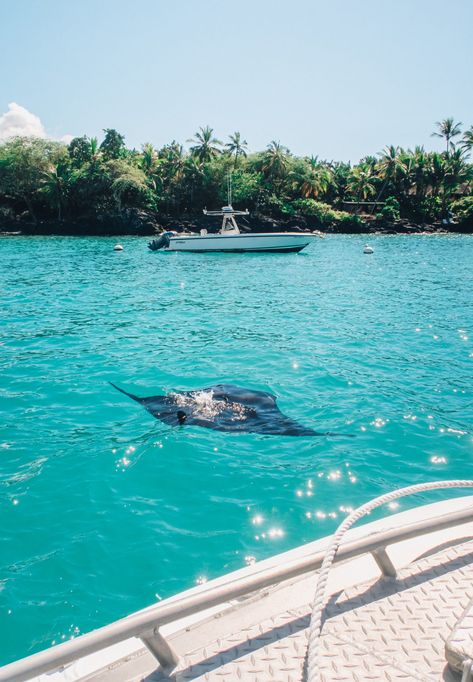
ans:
(160, 406)
(262, 414)
(241, 395)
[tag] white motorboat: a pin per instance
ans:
(397, 605)
(230, 240)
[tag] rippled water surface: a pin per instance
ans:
(103, 509)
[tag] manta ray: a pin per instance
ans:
(224, 407)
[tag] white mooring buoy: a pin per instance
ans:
(118, 247)
(368, 249)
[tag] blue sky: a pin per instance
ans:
(338, 79)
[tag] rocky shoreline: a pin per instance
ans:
(134, 222)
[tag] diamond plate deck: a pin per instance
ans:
(459, 646)
(388, 629)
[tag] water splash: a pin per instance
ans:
(203, 405)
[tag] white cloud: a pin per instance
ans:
(19, 121)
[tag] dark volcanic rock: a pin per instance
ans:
(130, 222)
(133, 221)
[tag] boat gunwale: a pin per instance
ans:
(250, 235)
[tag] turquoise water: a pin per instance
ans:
(103, 509)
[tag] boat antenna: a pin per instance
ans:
(229, 189)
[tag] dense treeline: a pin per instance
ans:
(43, 180)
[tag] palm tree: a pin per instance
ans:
(341, 173)
(467, 140)
(311, 179)
(391, 168)
(390, 163)
(206, 147)
(437, 172)
(236, 147)
(55, 185)
(126, 179)
(172, 154)
(369, 161)
(406, 181)
(148, 159)
(362, 183)
(148, 162)
(447, 174)
(95, 155)
(419, 171)
(457, 173)
(170, 173)
(447, 129)
(276, 159)
(192, 178)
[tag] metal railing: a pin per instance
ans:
(145, 624)
(380, 555)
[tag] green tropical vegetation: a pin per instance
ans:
(45, 182)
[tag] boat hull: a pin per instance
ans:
(282, 242)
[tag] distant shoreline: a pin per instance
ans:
(87, 188)
(140, 223)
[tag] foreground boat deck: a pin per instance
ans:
(384, 629)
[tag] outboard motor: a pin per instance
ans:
(161, 242)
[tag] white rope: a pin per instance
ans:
(319, 599)
(467, 671)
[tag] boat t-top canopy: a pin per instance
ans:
(229, 224)
(226, 210)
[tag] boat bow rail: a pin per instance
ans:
(146, 624)
(380, 556)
